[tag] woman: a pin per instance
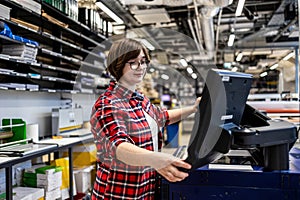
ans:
(126, 130)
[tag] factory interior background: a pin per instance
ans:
(52, 69)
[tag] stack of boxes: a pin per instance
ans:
(84, 159)
(47, 177)
(84, 179)
(63, 163)
(50, 178)
(17, 172)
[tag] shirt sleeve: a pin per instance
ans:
(109, 127)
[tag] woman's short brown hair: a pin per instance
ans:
(120, 53)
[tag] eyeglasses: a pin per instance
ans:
(135, 65)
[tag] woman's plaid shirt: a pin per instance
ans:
(117, 117)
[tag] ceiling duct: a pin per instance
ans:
(203, 26)
(157, 2)
(206, 21)
(214, 3)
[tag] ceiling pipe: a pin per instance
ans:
(284, 29)
(199, 34)
(157, 2)
(204, 20)
(203, 55)
(237, 26)
(197, 24)
(217, 35)
(196, 37)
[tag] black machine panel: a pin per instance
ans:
(224, 121)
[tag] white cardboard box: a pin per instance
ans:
(83, 179)
(49, 181)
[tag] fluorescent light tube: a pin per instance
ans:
(239, 57)
(239, 8)
(147, 44)
(194, 76)
(189, 70)
(183, 62)
(231, 40)
(263, 74)
(151, 70)
(164, 76)
(289, 56)
(105, 9)
(274, 66)
(234, 69)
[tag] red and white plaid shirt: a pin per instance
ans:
(117, 116)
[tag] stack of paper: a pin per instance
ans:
(22, 51)
(32, 87)
(17, 86)
(4, 12)
(24, 193)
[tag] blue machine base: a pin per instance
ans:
(234, 185)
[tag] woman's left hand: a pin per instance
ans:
(172, 171)
(196, 105)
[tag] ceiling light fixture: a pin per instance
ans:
(231, 40)
(274, 66)
(289, 56)
(243, 30)
(151, 70)
(164, 76)
(183, 62)
(147, 44)
(239, 8)
(189, 70)
(263, 74)
(194, 76)
(234, 69)
(239, 57)
(110, 13)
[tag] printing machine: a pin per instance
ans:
(68, 122)
(224, 123)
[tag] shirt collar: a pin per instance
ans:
(122, 92)
(137, 96)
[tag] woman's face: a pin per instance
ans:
(132, 77)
